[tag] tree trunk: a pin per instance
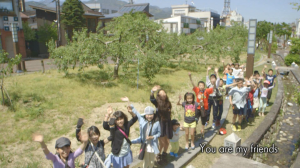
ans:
(116, 69)
(2, 92)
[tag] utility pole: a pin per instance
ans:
(58, 43)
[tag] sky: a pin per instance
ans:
(269, 10)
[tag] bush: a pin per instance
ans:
(289, 59)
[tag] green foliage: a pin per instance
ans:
(47, 32)
(274, 47)
(29, 34)
(295, 48)
(73, 15)
(283, 29)
(296, 5)
(4, 59)
(289, 59)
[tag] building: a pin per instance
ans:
(48, 15)
(143, 7)
(9, 13)
(209, 17)
(104, 9)
(232, 17)
(30, 17)
(182, 24)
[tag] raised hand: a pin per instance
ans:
(37, 138)
(155, 88)
(216, 70)
(190, 74)
(208, 68)
(129, 109)
(265, 66)
(179, 97)
(276, 68)
(109, 110)
(84, 136)
(126, 99)
(222, 61)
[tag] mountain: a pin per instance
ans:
(159, 13)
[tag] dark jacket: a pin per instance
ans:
(159, 112)
(117, 137)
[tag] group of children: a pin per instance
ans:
(157, 129)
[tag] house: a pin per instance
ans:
(30, 17)
(182, 24)
(9, 13)
(48, 15)
(143, 7)
(104, 9)
(210, 18)
(233, 16)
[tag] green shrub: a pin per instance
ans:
(289, 59)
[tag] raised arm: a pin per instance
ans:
(109, 111)
(178, 103)
(207, 77)
(263, 71)
(131, 108)
(190, 75)
(40, 138)
(133, 114)
(152, 98)
(78, 129)
(84, 140)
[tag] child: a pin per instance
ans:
(237, 99)
(163, 111)
(64, 157)
(226, 70)
(212, 100)
(174, 141)
(119, 126)
(190, 116)
(95, 147)
(229, 80)
(236, 70)
(263, 97)
(256, 95)
(149, 134)
(202, 95)
(270, 77)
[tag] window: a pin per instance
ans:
(183, 20)
(193, 21)
(186, 25)
(192, 30)
(179, 12)
(114, 11)
(91, 25)
(105, 11)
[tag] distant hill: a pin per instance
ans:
(159, 13)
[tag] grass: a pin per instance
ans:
(50, 103)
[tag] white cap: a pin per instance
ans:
(148, 110)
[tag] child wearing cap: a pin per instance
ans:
(270, 77)
(174, 141)
(263, 97)
(149, 134)
(64, 157)
(213, 97)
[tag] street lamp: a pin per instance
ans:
(251, 47)
(270, 43)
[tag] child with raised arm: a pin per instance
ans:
(191, 115)
(263, 97)
(119, 126)
(202, 95)
(237, 99)
(149, 133)
(229, 80)
(94, 151)
(64, 157)
(270, 77)
(226, 70)
(213, 98)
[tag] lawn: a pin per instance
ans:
(50, 103)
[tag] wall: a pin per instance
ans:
(6, 39)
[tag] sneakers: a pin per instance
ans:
(172, 154)
(206, 124)
(233, 127)
(159, 159)
(175, 155)
(164, 158)
(213, 125)
(239, 128)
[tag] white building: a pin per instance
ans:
(209, 18)
(182, 24)
(233, 16)
(98, 7)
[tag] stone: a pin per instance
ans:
(283, 139)
(284, 134)
(278, 140)
(291, 137)
(281, 132)
(290, 104)
(275, 167)
(291, 124)
(278, 162)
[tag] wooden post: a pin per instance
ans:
(249, 65)
(42, 61)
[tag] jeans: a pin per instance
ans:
(213, 103)
(220, 109)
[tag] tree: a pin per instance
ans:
(5, 70)
(47, 32)
(73, 16)
(28, 32)
(262, 30)
(296, 5)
